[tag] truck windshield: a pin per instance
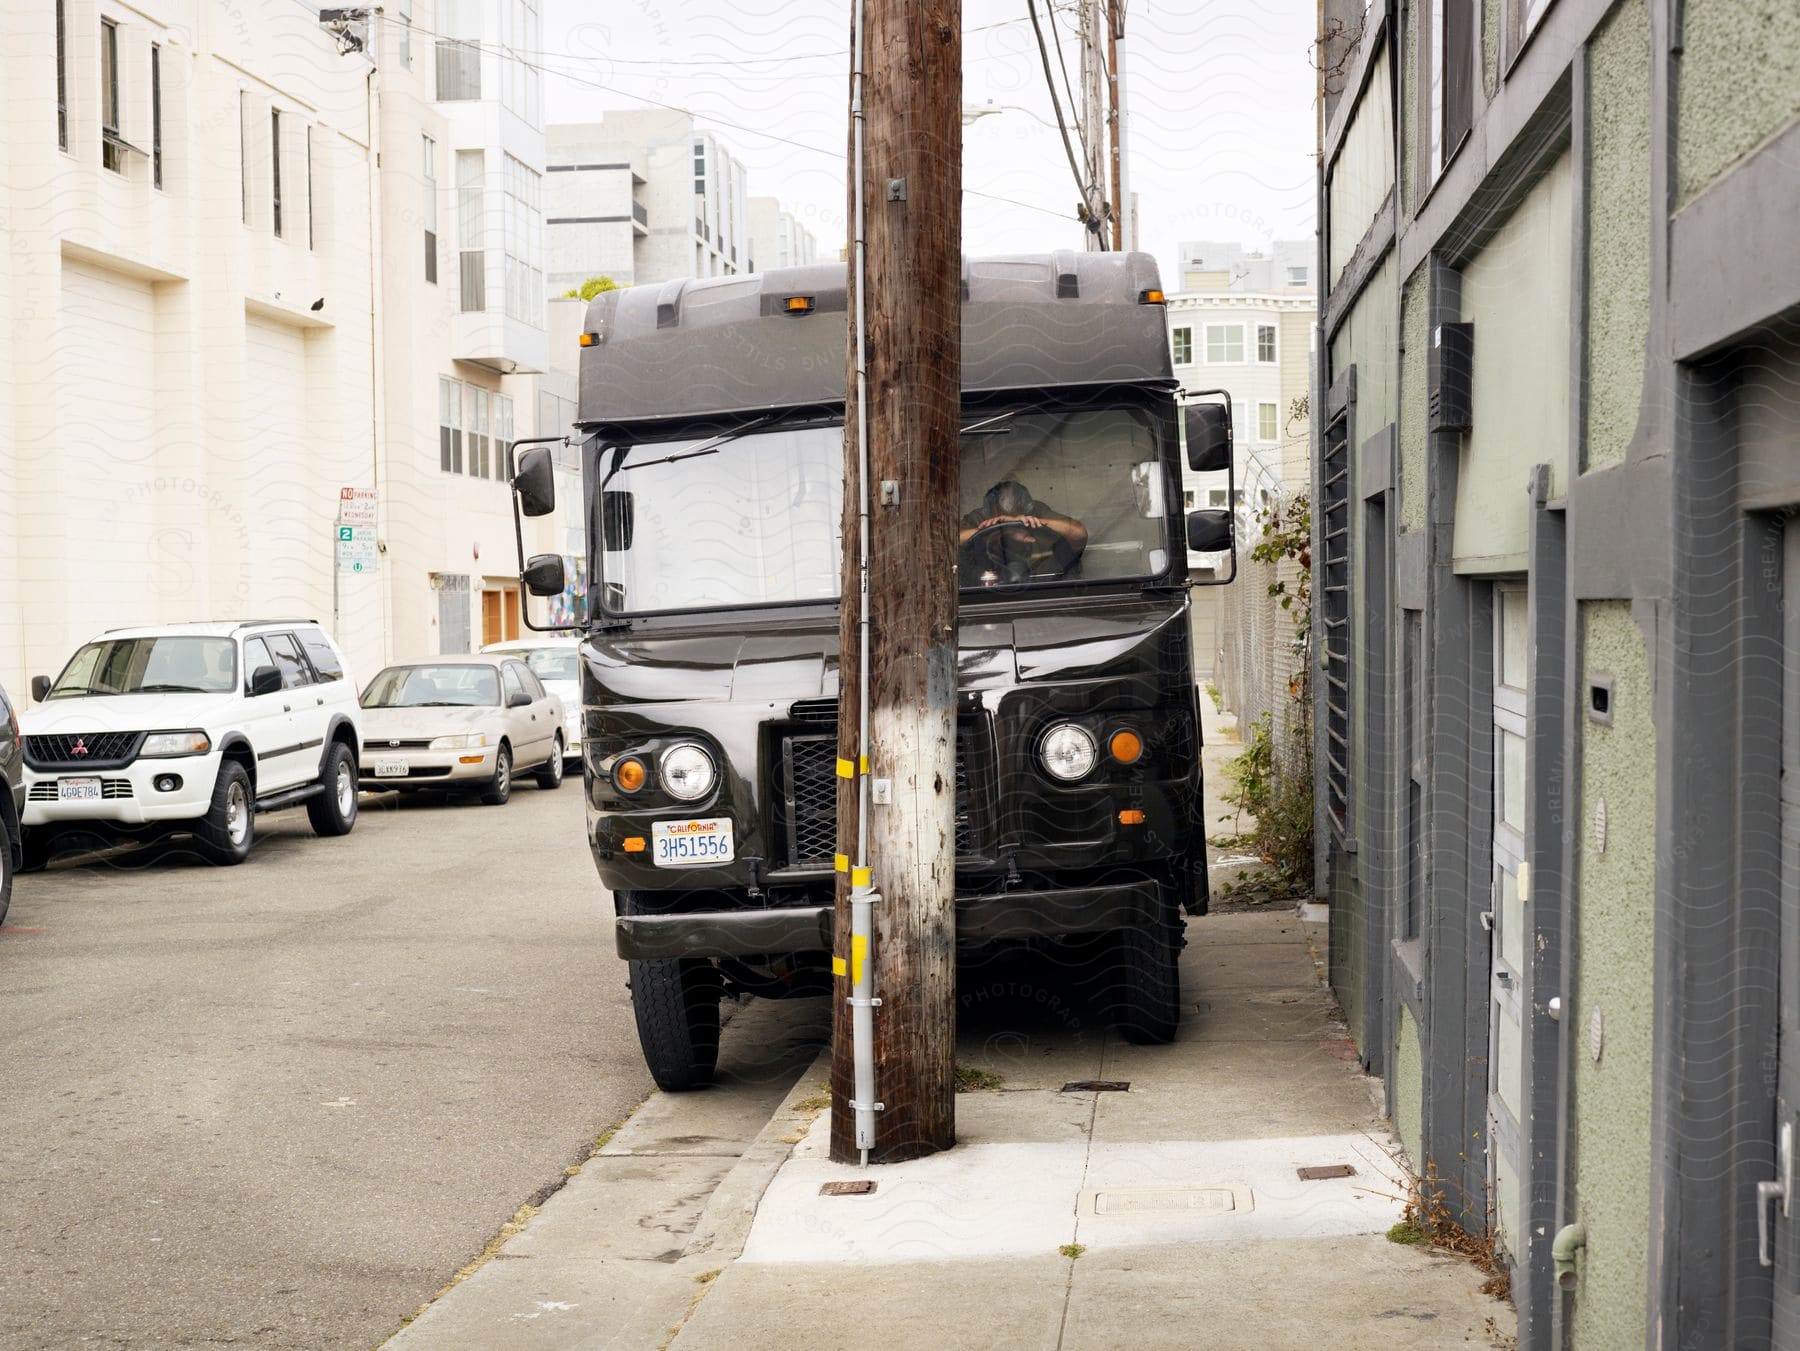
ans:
(1048, 495)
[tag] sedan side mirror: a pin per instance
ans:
(1208, 427)
(40, 688)
(543, 575)
(265, 680)
(1209, 531)
(518, 699)
(535, 482)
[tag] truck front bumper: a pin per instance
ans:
(808, 928)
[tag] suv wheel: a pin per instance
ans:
(500, 786)
(676, 1001)
(550, 773)
(333, 811)
(228, 829)
(6, 869)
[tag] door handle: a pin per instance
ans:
(287, 708)
(319, 702)
(1780, 1188)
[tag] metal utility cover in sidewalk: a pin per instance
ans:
(1227, 1199)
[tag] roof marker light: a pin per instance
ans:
(590, 339)
(1150, 297)
(798, 304)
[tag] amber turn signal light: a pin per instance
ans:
(590, 339)
(629, 775)
(1131, 816)
(1126, 746)
(634, 844)
(799, 304)
(1150, 297)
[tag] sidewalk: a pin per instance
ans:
(1169, 1214)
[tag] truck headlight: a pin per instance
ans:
(1068, 751)
(687, 771)
(462, 741)
(160, 744)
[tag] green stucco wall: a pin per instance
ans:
(1368, 341)
(1415, 312)
(1490, 44)
(1409, 100)
(1409, 1090)
(1516, 292)
(1363, 173)
(1615, 978)
(1346, 948)
(1739, 84)
(1618, 263)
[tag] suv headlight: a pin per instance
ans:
(1068, 751)
(462, 741)
(687, 771)
(161, 744)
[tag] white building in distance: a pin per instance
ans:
(643, 195)
(777, 238)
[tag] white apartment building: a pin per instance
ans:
(186, 282)
(462, 313)
(643, 195)
(221, 314)
(777, 238)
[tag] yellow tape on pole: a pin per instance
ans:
(859, 877)
(841, 862)
(845, 769)
(838, 967)
(859, 953)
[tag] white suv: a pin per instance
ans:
(193, 727)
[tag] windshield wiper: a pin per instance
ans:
(711, 447)
(170, 689)
(989, 422)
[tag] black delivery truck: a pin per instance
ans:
(712, 452)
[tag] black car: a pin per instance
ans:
(12, 800)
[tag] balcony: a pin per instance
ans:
(495, 340)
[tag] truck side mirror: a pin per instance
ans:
(265, 680)
(1209, 531)
(1208, 427)
(535, 483)
(40, 688)
(543, 575)
(617, 517)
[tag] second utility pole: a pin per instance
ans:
(893, 1087)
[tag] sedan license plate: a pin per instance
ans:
(691, 844)
(391, 769)
(78, 790)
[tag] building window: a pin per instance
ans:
(243, 157)
(62, 81)
(1265, 342)
(1448, 48)
(1265, 423)
(1181, 343)
(470, 237)
(1224, 343)
(112, 152)
(520, 80)
(699, 168)
(523, 245)
(458, 51)
(429, 171)
(1296, 276)
(275, 166)
(406, 8)
(1526, 14)
(309, 188)
(503, 437)
(156, 158)
(1187, 499)
(450, 443)
(478, 431)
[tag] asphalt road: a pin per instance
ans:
(281, 1104)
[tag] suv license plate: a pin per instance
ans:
(78, 790)
(691, 844)
(391, 769)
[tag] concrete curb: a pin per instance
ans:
(724, 1225)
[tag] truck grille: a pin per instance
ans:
(82, 750)
(807, 798)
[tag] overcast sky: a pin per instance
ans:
(1219, 99)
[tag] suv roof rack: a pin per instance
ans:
(258, 623)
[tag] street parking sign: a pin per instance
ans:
(356, 551)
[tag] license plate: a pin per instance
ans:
(78, 790)
(391, 769)
(691, 844)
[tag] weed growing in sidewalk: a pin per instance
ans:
(1427, 1221)
(1072, 1250)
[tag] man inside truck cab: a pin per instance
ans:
(1011, 536)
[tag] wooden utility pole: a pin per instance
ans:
(911, 209)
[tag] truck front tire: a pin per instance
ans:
(676, 1001)
(1147, 976)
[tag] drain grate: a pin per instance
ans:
(1098, 1086)
(1323, 1171)
(846, 1188)
(1170, 1203)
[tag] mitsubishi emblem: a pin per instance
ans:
(79, 748)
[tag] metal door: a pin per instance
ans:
(1778, 1213)
(1506, 920)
